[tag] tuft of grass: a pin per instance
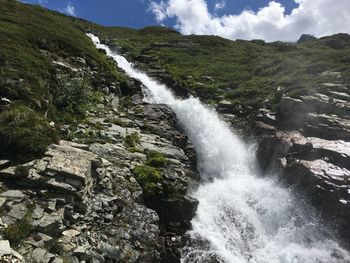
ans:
(24, 133)
(132, 139)
(17, 232)
(149, 178)
(157, 159)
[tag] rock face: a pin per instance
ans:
(307, 142)
(82, 201)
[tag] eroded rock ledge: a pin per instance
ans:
(85, 202)
(307, 142)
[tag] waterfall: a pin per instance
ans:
(241, 217)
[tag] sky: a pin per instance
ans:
(283, 20)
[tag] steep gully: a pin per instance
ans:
(241, 217)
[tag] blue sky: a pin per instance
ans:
(136, 13)
(270, 20)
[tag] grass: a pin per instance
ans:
(24, 133)
(132, 139)
(246, 73)
(157, 159)
(149, 178)
(32, 38)
(17, 232)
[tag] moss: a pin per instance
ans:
(149, 178)
(25, 133)
(156, 159)
(132, 139)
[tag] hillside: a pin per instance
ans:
(245, 73)
(37, 49)
(91, 172)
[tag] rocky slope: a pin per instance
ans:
(299, 117)
(90, 173)
(84, 202)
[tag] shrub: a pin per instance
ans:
(72, 95)
(156, 159)
(24, 133)
(132, 139)
(149, 178)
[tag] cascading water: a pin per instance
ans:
(241, 217)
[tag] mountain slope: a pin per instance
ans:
(40, 52)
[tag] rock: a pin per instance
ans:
(40, 240)
(306, 38)
(2, 201)
(13, 194)
(41, 255)
(7, 251)
(4, 164)
(18, 211)
(72, 163)
(9, 173)
(51, 206)
(50, 224)
(70, 233)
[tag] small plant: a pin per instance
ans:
(156, 159)
(149, 178)
(18, 231)
(24, 133)
(132, 139)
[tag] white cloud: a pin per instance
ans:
(159, 10)
(220, 5)
(69, 9)
(317, 17)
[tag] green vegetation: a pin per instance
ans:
(132, 139)
(149, 178)
(156, 159)
(246, 73)
(24, 133)
(18, 231)
(39, 52)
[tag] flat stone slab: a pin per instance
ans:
(13, 194)
(69, 162)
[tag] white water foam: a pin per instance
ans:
(241, 217)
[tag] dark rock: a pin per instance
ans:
(306, 38)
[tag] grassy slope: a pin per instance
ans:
(245, 72)
(31, 38)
